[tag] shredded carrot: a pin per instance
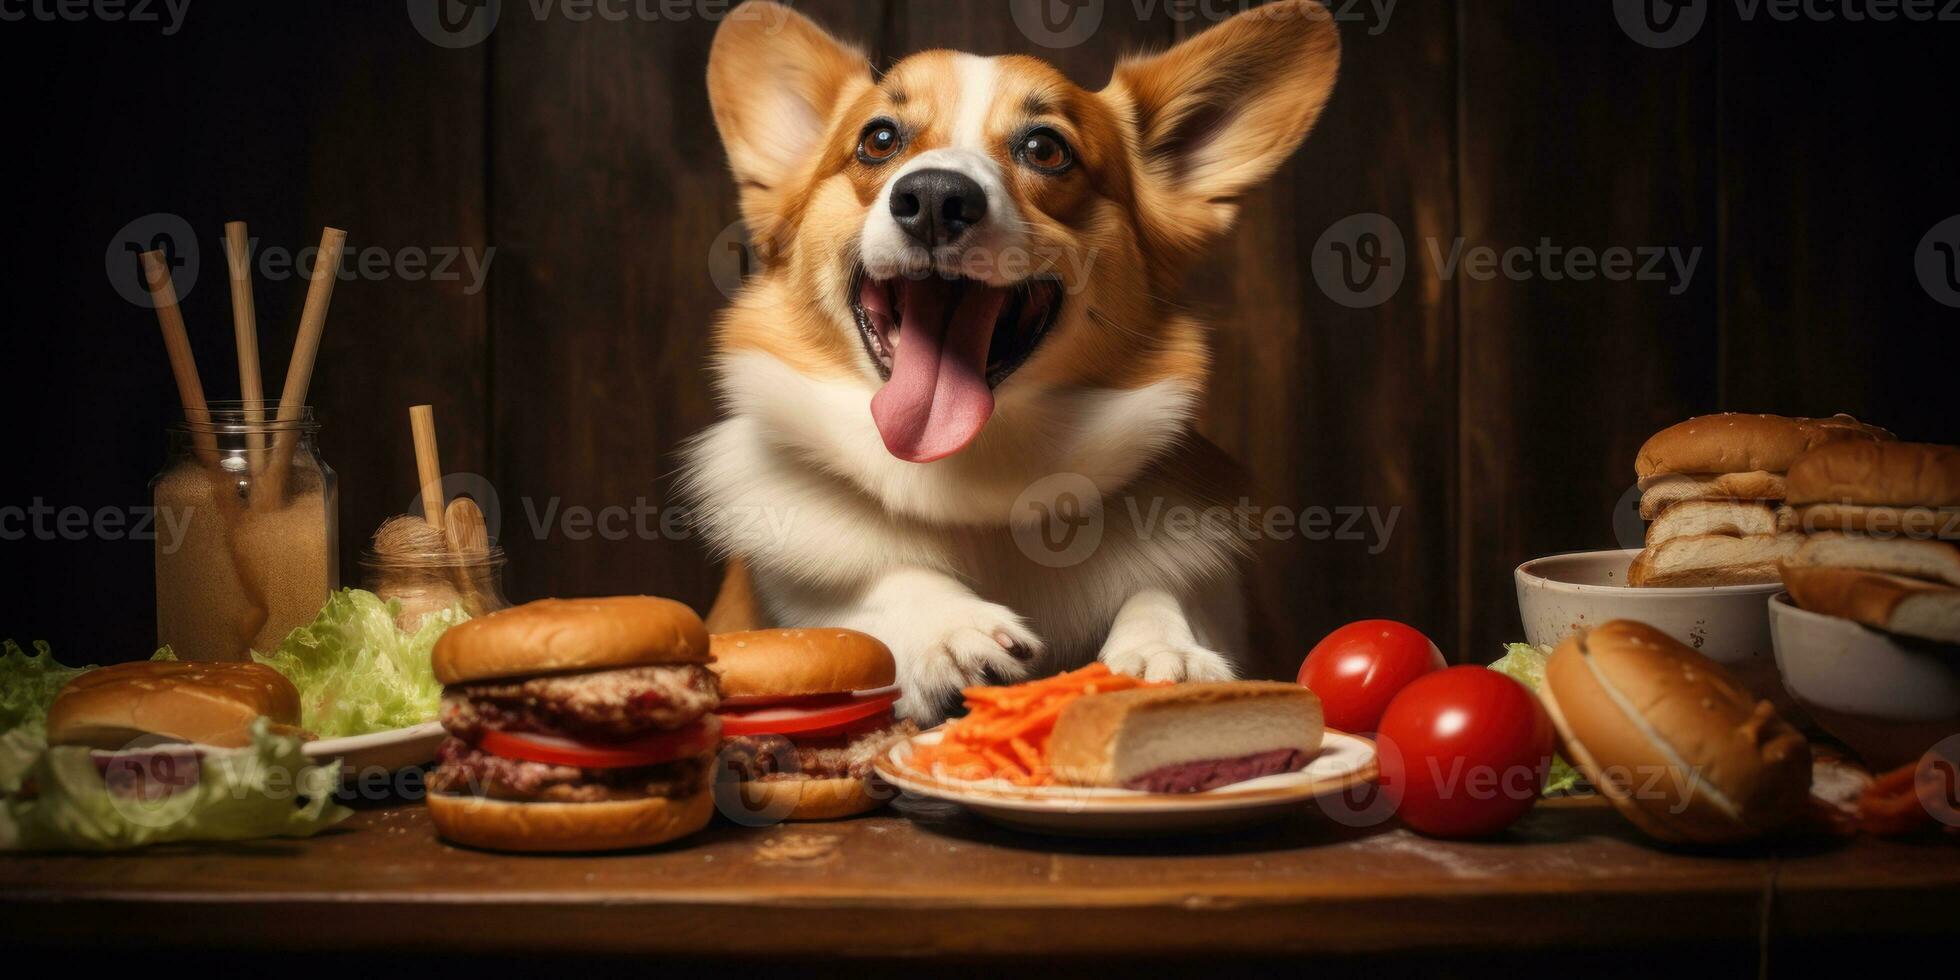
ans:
(1005, 732)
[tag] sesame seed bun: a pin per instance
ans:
(206, 703)
(795, 662)
(1734, 442)
(558, 635)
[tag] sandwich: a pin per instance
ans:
(1713, 488)
(805, 714)
(575, 725)
(150, 702)
(1673, 740)
(1884, 547)
(1186, 738)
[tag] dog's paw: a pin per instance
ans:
(1160, 660)
(945, 644)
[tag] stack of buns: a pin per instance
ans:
(1714, 488)
(1882, 536)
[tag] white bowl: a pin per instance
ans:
(1563, 594)
(1889, 698)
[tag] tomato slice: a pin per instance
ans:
(806, 717)
(646, 750)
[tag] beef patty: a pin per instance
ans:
(777, 757)
(465, 770)
(607, 705)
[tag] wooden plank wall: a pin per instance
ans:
(1495, 420)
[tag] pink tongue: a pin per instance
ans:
(937, 398)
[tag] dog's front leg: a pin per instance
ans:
(943, 636)
(1153, 638)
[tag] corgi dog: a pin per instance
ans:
(960, 386)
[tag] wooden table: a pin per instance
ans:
(1570, 876)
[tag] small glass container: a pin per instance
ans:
(425, 584)
(248, 536)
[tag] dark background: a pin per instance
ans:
(1806, 160)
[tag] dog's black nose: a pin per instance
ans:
(937, 206)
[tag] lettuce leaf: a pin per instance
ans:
(28, 685)
(267, 790)
(1525, 664)
(356, 671)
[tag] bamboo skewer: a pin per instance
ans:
(428, 463)
(183, 365)
(306, 347)
(428, 467)
(245, 328)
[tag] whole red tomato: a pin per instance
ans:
(1464, 752)
(1360, 667)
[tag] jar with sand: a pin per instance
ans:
(248, 538)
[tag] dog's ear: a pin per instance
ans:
(1220, 112)
(773, 78)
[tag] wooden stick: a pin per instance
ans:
(245, 328)
(306, 347)
(463, 525)
(183, 364)
(428, 463)
(469, 543)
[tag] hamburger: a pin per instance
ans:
(1884, 547)
(211, 704)
(575, 725)
(1713, 488)
(1674, 741)
(805, 714)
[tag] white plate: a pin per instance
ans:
(1344, 761)
(398, 748)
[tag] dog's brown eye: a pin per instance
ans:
(879, 143)
(1044, 149)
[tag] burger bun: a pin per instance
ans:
(1672, 739)
(554, 636)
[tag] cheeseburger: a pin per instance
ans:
(1884, 543)
(576, 725)
(804, 714)
(1713, 488)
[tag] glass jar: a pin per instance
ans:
(427, 584)
(248, 537)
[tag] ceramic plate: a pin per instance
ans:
(397, 748)
(1344, 761)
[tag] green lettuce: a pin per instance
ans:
(1525, 664)
(28, 685)
(357, 672)
(56, 799)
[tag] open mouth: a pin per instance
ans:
(942, 345)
